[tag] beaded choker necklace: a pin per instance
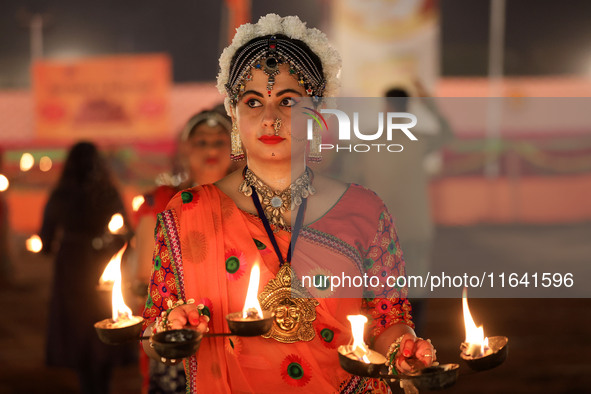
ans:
(276, 203)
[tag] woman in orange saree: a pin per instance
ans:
(210, 236)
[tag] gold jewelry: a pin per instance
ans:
(276, 203)
(277, 126)
(294, 308)
(315, 155)
(237, 152)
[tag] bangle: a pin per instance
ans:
(391, 355)
(161, 323)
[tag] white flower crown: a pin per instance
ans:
(292, 27)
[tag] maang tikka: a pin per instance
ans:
(267, 54)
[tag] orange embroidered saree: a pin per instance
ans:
(204, 251)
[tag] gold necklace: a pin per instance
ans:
(293, 307)
(276, 203)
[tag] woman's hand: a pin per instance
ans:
(188, 316)
(182, 316)
(414, 354)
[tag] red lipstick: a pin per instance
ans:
(271, 139)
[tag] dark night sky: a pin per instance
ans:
(542, 37)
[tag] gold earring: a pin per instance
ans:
(237, 152)
(315, 155)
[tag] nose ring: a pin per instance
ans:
(277, 126)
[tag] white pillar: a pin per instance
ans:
(495, 77)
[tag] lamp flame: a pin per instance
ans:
(116, 223)
(4, 183)
(112, 273)
(359, 348)
(34, 244)
(45, 164)
(251, 303)
(27, 162)
(137, 202)
(477, 344)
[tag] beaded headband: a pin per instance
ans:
(210, 118)
(275, 46)
(267, 54)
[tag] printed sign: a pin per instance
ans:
(119, 97)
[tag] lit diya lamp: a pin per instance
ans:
(357, 358)
(252, 321)
(116, 224)
(34, 244)
(478, 352)
(176, 344)
(112, 272)
(123, 326)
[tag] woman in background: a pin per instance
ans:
(203, 157)
(75, 227)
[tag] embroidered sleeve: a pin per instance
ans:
(163, 283)
(386, 303)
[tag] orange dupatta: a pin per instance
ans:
(212, 261)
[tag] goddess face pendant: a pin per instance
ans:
(293, 306)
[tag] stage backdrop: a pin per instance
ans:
(386, 43)
(120, 97)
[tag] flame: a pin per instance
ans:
(252, 302)
(116, 223)
(113, 273)
(34, 244)
(474, 335)
(27, 162)
(137, 202)
(3, 183)
(359, 348)
(112, 270)
(45, 164)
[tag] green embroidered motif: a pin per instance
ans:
(157, 263)
(232, 264)
(392, 247)
(327, 335)
(259, 244)
(320, 282)
(149, 302)
(206, 312)
(368, 263)
(368, 295)
(187, 197)
(295, 371)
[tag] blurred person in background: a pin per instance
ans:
(404, 187)
(75, 229)
(5, 262)
(203, 157)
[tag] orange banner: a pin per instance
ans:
(118, 97)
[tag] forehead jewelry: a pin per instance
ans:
(267, 54)
(277, 126)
